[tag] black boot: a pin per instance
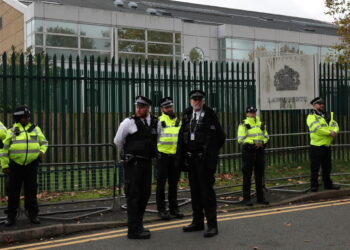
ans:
(34, 220)
(211, 231)
(10, 221)
(176, 214)
(141, 236)
(263, 201)
(193, 227)
(164, 215)
(332, 187)
(247, 202)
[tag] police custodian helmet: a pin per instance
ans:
(317, 100)
(251, 109)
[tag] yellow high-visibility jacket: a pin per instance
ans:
(3, 131)
(167, 141)
(252, 131)
(22, 146)
(320, 129)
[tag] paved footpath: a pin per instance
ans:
(317, 225)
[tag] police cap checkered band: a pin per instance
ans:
(19, 111)
(197, 94)
(143, 100)
(167, 101)
(317, 100)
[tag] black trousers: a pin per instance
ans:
(253, 159)
(138, 178)
(321, 156)
(202, 179)
(167, 171)
(19, 175)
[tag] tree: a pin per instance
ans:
(340, 11)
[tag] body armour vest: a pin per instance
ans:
(144, 141)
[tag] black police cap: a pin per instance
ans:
(197, 93)
(143, 100)
(21, 111)
(317, 100)
(166, 101)
(251, 109)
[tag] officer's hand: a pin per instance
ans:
(6, 170)
(333, 134)
(41, 156)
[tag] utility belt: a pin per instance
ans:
(130, 157)
(190, 155)
(252, 147)
(14, 164)
(163, 155)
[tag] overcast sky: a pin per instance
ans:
(313, 9)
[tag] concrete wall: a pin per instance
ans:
(12, 32)
(238, 31)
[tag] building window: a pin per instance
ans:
(157, 46)
(308, 50)
(289, 48)
(63, 38)
(0, 22)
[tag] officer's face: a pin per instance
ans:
(168, 110)
(142, 110)
(24, 120)
(319, 106)
(251, 114)
(197, 103)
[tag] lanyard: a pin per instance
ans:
(195, 127)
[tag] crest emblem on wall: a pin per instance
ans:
(286, 79)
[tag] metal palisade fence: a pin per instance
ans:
(83, 101)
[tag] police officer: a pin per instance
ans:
(24, 146)
(323, 129)
(200, 139)
(136, 140)
(3, 133)
(253, 136)
(168, 130)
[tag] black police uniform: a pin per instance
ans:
(139, 149)
(201, 154)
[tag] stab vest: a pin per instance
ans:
(144, 141)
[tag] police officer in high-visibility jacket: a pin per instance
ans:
(24, 146)
(323, 129)
(168, 130)
(253, 136)
(3, 133)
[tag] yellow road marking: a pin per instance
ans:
(166, 224)
(180, 225)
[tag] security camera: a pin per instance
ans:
(118, 3)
